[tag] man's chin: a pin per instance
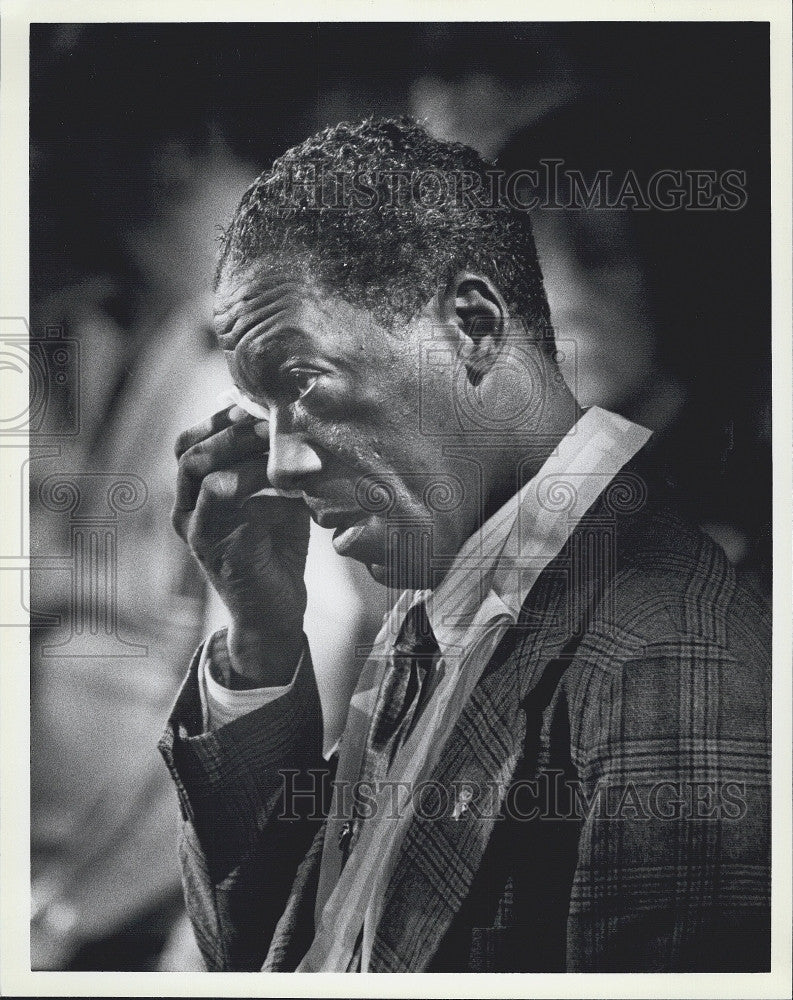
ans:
(359, 540)
(379, 573)
(364, 541)
(386, 576)
(383, 575)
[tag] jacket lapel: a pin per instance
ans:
(440, 857)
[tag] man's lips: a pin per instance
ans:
(346, 537)
(347, 525)
(336, 518)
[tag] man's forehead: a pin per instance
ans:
(258, 296)
(255, 301)
(237, 281)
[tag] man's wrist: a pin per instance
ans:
(255, 660)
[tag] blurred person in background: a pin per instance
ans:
(148, 365)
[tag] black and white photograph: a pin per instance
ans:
(392, 520)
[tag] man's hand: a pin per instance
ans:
(252, 549)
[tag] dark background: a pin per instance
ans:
(144, 136)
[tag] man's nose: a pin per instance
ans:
(291, 457)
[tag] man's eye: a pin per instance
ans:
(300, 381)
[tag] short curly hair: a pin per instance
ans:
(364, 209)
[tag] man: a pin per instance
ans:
(556, 755)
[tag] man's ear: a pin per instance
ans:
(473, 305)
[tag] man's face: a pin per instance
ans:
(345, 396)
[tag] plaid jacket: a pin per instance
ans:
(616, 752)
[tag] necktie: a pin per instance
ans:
(401, 695)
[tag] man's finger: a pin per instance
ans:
(227, 449)
(199, 432)
(220, 494)
(236, 485)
